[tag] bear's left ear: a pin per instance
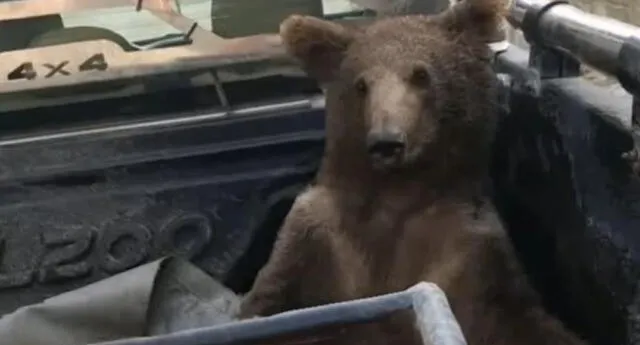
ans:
(481, 19)
(319, 45)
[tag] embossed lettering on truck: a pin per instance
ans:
(27, 69)
(76, 253)
(65, 255)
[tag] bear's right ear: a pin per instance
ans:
(319, 45)
(479, 18)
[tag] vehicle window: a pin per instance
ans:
(228, 18)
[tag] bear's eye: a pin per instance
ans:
(361, 87)
(420, 76)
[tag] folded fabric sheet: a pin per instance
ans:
(161, 297)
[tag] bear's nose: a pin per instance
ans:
(385, 144)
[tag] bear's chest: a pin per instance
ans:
(367, 256)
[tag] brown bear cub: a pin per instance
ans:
(411, 111)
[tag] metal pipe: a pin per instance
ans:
(592, 39)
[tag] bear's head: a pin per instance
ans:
(405, 91)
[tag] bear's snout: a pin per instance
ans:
(386, 147)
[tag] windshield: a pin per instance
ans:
(226, 18)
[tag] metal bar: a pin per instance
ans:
(425, 297)
(177, 120)
(296, 320)
(595, 40)
(163, 10)
(435, 319)
(187, 26)
(222, 95)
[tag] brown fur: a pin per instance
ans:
(366, 229)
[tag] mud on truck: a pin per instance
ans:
(150, 151)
